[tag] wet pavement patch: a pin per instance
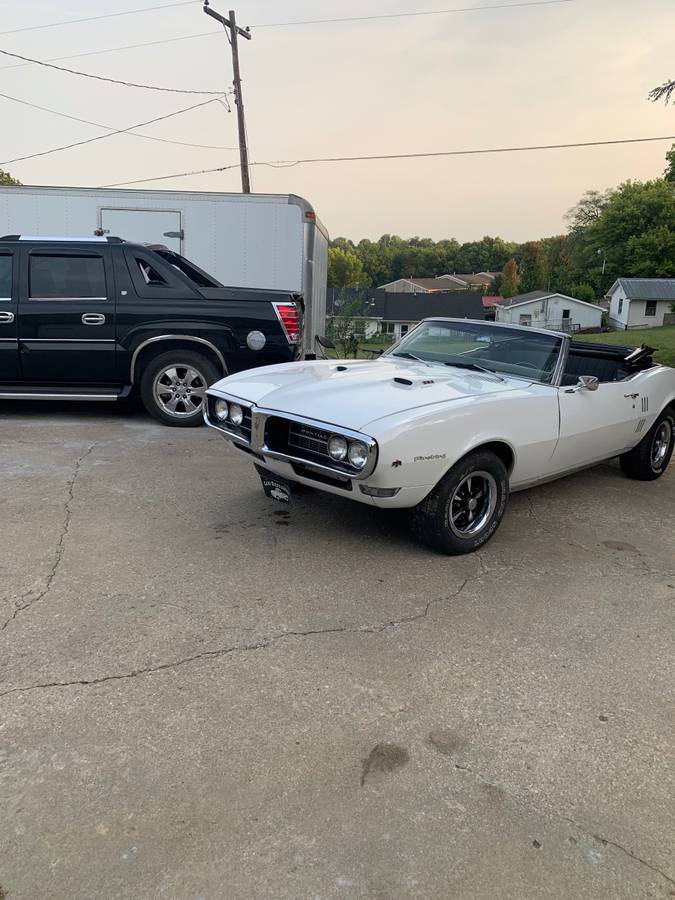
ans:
(383, 758)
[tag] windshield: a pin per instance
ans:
(483, 346)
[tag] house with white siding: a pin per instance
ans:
(547, 309)
(641, 303)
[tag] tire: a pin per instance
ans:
(432, 520)
(649, 460)
(173, 387)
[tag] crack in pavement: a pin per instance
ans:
(609, 843)
(606, 842)
(19, 605)
(261, 644)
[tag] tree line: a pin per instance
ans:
(627, 231)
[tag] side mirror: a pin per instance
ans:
(588, 383)
(324, 342)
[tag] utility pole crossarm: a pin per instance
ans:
(231, 24)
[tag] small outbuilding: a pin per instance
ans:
(548, 309)
(641, 303)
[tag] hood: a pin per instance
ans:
(354, 393)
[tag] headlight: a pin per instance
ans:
(337, 448)
(236, 414)
(358, 454)
(221, 410)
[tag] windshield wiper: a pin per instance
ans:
(475, 367)
(408, 355)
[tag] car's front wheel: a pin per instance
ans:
(465, 508)
(173, 387)
(649, 460)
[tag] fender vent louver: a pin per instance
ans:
(640, 425)
(645, 404)
(405, 381)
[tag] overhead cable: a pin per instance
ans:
(127, 12)
(147, 87)
(287, 164)
(147, 137)
(102, 137)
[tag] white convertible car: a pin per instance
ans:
(450, 420)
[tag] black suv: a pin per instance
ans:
(93, 318)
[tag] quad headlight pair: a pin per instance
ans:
(228, 412)
(341, 450)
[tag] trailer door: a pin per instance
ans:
(144, 226)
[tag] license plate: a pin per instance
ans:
(276, 488)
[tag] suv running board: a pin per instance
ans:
(26, 392)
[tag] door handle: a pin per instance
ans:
(6, 318)
(631, 396)
(93, 319)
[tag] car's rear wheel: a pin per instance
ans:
(173, 387)
(465, 508)
(649, 460)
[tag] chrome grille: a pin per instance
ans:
(308, 439)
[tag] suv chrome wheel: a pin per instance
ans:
(180, 390)
(472, 504)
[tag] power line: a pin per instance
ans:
(182, 37)
(148, 87)
(147, 137)
(405, 15)
(287, 164)
(187, 37)
(102, 137)
(128, 12)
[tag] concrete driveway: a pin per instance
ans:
(206, 695)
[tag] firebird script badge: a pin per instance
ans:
(430, 456)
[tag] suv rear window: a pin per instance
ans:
(190, 270)
(5, 276)
(62, 277)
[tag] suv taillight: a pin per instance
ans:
(289, 316)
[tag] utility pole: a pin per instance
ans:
(230, 24)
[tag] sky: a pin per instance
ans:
(575, 71)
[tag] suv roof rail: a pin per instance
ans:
(46, 238)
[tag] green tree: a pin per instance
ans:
(669, 173)
(510, 280)
(6, 178)
(583, 292)
(345, 269)
(533, 267)
(344, 328)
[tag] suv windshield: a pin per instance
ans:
(482, 345)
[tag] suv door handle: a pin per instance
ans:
(93, 319)
(6, 318)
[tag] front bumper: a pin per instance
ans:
(272, 435)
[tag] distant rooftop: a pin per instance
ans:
(647, 288)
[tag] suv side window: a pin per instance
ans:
(5, 276)
(153, 278)
(66, 277)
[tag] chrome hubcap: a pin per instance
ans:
(180, 390)
(661, 444)
(472, 504)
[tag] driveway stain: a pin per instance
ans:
(620, 545)
(445, 742)
(384, 758)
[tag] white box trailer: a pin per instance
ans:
(267, 241)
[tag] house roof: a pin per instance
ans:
(456, 304)
(441, 282)
(540, 295)
(490, 300)
(646, 288)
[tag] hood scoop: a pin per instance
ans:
(408, 382)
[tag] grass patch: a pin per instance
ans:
(663, 339)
